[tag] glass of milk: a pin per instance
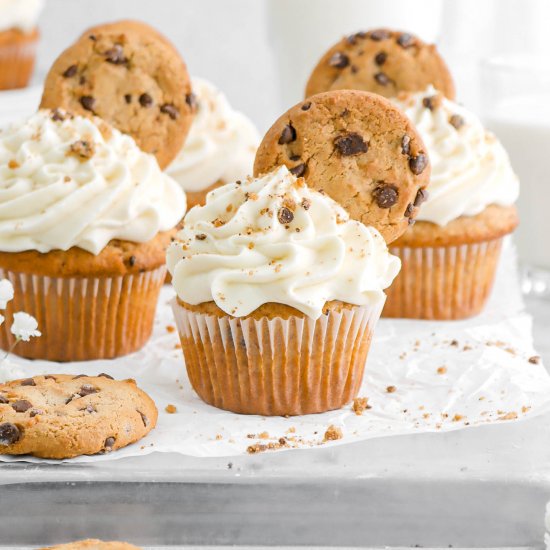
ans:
(516, 96)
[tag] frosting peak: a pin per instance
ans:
(470, 168)
(69, 181)
(275, 240)
(221, 144)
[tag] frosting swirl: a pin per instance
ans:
(20, 14)
(275, 240)
(69, 181)
(221, 144)
(470, 168)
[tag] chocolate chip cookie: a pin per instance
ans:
(382, 61)
(359, 149)
(93, 545)
(129, 75)
(62, 416)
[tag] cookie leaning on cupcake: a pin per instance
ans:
(86, 215)
(449, 257)
(278, 290)
(18, 39)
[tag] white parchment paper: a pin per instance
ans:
(420, 377)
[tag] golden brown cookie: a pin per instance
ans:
(93, 545)
(359, 149)
(382, 61)
(62, 416)
(129, 75)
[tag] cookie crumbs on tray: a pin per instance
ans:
(391, 389)
(333, 433)
(170, 328)
(535, 359)
(458, 417)
(525, 409)
(509, 416)
(442, 370)
(360, 405)
(219, 437)
(171, 409)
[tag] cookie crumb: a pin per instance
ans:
(171, 409)
(170, 328)
(391, 389)
(535, 359)
(333, 433)
(83, 150)
(360, 404)
(509, 416)
(458, 417)
(442, 370)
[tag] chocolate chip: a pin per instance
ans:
(115, 55)
(132, 261)
(21, 406)
(409, 210)
(109, 442)
(306, 106)
(432, 102)
(57, 115)
(406, 40)
(352, 38)
(71, 71)
(306, 204)
(170, 110)
(145, 100)
(89, 409)
(87, 389)
(128, 98)
(418, 164)
(385, 195)
(379, 34)
(35, 412)
(104, 375)
(87, 102)
(82, 80)
(406, 145)
(4, 400)
(200, 236)
(294, 158)
(92, 37)
(50, 377)
(351, 144)
(354, 69)
(285, 215)
(288, 135)
(382, 78)
(339, 60)
(191, 100)
(144, 419)
(380, 58)
(80, 376)
(421, 196)
(457, 121)
(28, 382)
(9, 434)
(299, 170)
(412, 221)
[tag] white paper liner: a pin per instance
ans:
(487, 379)
(282, 366)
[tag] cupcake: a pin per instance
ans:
(278, 292)
(85, 218)
(18, 40)
(219, 148)
(450, 256)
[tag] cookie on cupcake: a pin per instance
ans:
(18, 40)
(219, 148)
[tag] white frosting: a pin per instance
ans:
(19, 14)
(470, 168)
(236, 252)
(221, 144)
(50, 198)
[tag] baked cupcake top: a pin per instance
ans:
(275, 240)
(470, 168)
(19, 14)
(68, 181)
(221, 144)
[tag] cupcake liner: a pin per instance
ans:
(84, 318)
(275, 366)
(443, 283)
(17, 63)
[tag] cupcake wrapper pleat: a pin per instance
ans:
(277, 367)
(16, 64)
(443, 283)
(84, 318)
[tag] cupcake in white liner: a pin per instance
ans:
(278, 293)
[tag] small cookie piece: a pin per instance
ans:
(62, 416)
(382, 61)
(131, 76)
(359, 149)
(93, 544)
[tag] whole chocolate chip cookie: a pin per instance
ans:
(63, 416)
(359, 149)
(93, 544)
(129, 75)
(382, 61)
